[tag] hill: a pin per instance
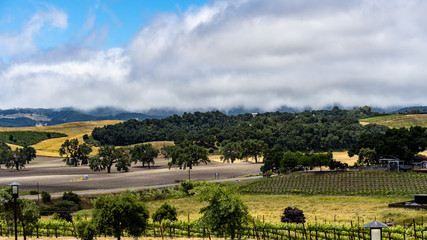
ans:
(29, 117)
(398, 120)
(51, 146)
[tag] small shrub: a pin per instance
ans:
(45, 197)
(293, 215)
(65, 205)
(165, 211)
(65, 216)
(187, 186)
(85, 137)
(34, 192)
(86, 230)
(70, 196)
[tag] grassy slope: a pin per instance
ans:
(50, 147)
(343, 209)
(398, 120)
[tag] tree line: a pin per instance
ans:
(183, 155)
(318, 131)
(402, 143)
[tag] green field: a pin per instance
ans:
(398, 120)
(23, 138)
(342, 183)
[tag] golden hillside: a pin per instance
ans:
(398, 120)
(50, 147)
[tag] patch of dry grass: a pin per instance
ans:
(339, 209)
(398, 120)
(344, 158)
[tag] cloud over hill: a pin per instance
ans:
(226, 54)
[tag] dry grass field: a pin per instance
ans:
(398, 120)
(50, 147)
(339, 209)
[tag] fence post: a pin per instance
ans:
(352, 230)
(415, 229)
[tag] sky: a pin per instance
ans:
(212, 54)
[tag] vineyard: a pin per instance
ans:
(342, 183)
(257, 230)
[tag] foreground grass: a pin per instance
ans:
(398, 120)
(329, 209)
(339, 209)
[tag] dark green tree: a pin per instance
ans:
(165, 211)
(116, 214)
(16, 159)
(186, 155)
(28, 213)
(30, 153)
(225, 213)
(272, 158)
(292, 215)
(4, 152)
(75, 152)
(289, 161)
(231, 151)
(107, 156)
(144, 153)
(253, 148)
(395, 142)
(367, 156)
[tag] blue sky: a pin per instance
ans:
(122, 19)
(212, 54)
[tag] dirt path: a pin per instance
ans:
(51, 175)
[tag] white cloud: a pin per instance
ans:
(23, 41)
(252, 53)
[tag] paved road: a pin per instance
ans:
(101, 191)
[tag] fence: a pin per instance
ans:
(256, 230)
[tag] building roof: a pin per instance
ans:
(375, 224)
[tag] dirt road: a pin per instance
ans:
(51, 175)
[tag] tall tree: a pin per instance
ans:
(30, 153)
(272, 158)
(186, 155)
(231, 151)
(4, 152)
(16, 159)
(225, 213)
(253, 148)
(116, 214)
(107, 156)
(27, 212)
(144, 153)
(75, 153)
